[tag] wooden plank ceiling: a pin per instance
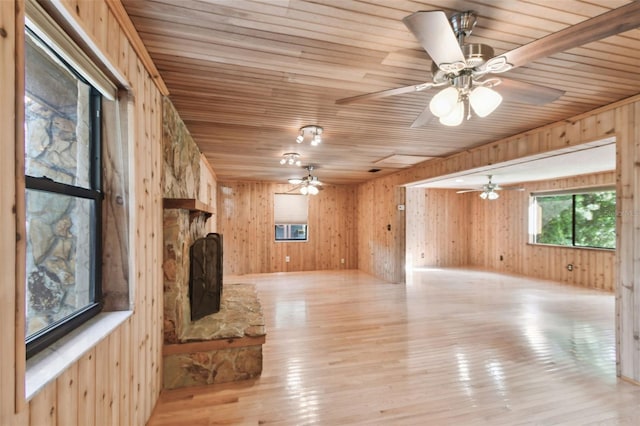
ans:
(246, 75)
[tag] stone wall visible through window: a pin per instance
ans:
(63, 194)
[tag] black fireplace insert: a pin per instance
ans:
(205, 280)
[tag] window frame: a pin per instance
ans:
(43, 338)
(532, 236)
(288, 232)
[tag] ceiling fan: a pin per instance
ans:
(463, 69)
(488, 190)
(308, 184)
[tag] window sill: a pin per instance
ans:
(47, 365)
(571, 247)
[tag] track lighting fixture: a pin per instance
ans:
(291, 159)
(314, 131)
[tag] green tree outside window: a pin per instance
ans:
(586, 219)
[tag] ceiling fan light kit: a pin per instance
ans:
(455, 117)
(484, 100)
(443, 102)
(309, 190)
(488, 191)
(308, 184)
(489, 195)
(449, 104)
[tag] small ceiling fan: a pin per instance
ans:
(308, 184)
(488, 190)
(463, 69)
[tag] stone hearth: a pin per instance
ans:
(222, 347)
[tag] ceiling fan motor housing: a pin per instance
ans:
(475, 54)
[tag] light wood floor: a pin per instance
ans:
(453, 347)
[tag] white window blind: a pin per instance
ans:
(290, 208)
(48, 30)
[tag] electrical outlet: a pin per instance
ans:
(342, 261)
(287, 258)
(570, 267)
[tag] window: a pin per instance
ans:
(290, 215)
(63, 185)
(291, 232)
(574, 218)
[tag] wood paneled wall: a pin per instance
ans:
(10, 203)
(438, 228)
(117, 381)
(381, 229)
(449, 229)
(245, 219)
(621, 120)
(500, 229)
(208, 192)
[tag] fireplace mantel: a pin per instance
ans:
(191, 204)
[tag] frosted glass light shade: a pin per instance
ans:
(493, 195)
(455, 117)
(483, 195)
(484, 101)
(304, 190)
(313, 190)
(443, 102)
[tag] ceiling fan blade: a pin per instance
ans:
(464, 191)
(385, 93)
(423, 119)
(433, 30)
(610, 23)
(510, 188)
(519, 91)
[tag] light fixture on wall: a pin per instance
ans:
(291, 159)
(314, 131)
(450, 104)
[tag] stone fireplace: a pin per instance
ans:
(200, 347)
